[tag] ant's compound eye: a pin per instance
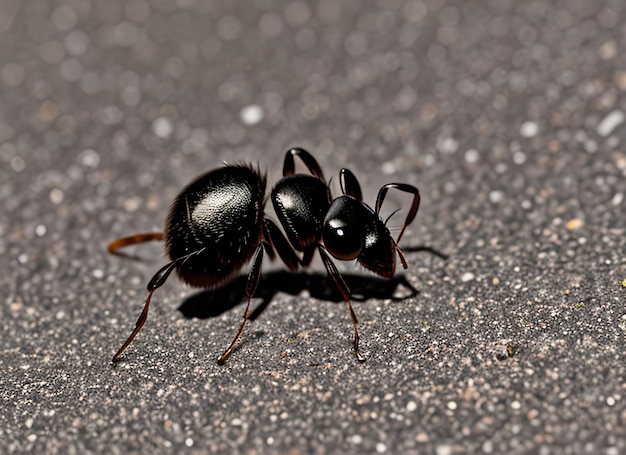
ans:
(342, 240)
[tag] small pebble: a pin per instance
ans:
(610, 122)
(529, 129)
(574, 224)
(467, 276)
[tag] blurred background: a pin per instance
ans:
(509, 117)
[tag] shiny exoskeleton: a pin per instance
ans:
(217, 224)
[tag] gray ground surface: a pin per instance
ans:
(508, 115)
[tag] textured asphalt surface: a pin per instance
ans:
(505, 335)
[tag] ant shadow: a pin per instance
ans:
(214, 302)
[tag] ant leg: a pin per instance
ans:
(345, 292)
(405, 265)
(414, 205)
(349, 184)
(253, 281)
(289, 165)
(156, 282)
(133, 240)
(274, 237)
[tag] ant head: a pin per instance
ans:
(352, 230)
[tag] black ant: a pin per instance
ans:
(217, 224)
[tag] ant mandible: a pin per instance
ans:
(217, 224)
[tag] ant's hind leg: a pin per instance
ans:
(253, 282)
(156, 282)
